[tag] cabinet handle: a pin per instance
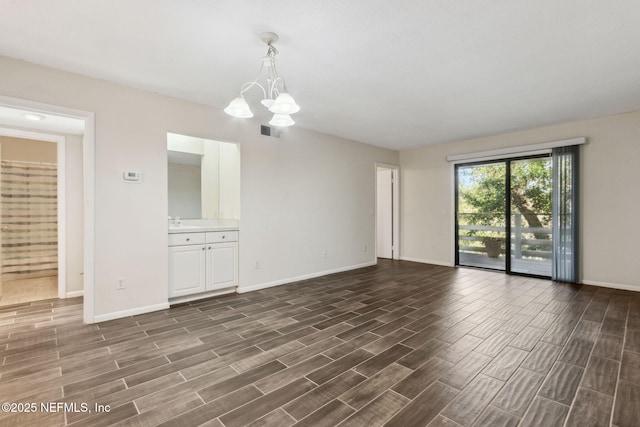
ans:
(188, 239)
(223, 236)
(209, 247)
(203, 248)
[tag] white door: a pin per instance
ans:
(186, 270)
(222, 265)
(384, 214)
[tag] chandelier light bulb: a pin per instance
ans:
(284, 104)
(239, 108)
(281, 120)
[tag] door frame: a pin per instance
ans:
(395, 206)
(60, 142)
(88, 167)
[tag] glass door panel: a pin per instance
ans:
(481, 220)
(530, 212)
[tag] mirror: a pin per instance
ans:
(204, 178)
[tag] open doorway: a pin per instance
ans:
(387, 212)
(28, 220)
(28, 122)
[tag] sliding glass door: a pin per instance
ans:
(530, 212)
(481, 220)
(490, 192)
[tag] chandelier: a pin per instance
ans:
(276, 99)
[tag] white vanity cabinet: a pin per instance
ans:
(202, 262)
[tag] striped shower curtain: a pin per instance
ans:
(29, 219)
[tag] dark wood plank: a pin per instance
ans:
(315, 399)
(561, 383)
(339, 366)
(518, 393)
(505, 364)
(382, 360)
(267, 403)
(275, 418)
(494, 417)
(493, 345)
(626, 412)
(545, 413)
(227, 386)
(425, 406)
(377, 412)
(464, 371)
(214, 409)
(328, 416)
(590, 409)
(542, 358)
(422, 378)
(470, 403)
(374, 386)
(601, 375)
(608, 346)
(279, 379)
(630, 367)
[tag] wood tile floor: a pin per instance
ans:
(398, 344)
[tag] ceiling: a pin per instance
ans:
(17, 118)
(399, 74)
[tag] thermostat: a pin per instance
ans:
(132, 176)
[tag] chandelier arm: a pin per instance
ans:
(274, 88)
(275, 72)
(248, 85)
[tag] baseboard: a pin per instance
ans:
(242, 290)
(73, 294)
(195, 297)
(622, 286)
(130, 312)
(427, 261)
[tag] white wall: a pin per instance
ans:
(75, 216)
(229, 178)
(609, 202)
(302, 194)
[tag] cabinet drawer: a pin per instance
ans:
(181, 239)
(222, 236)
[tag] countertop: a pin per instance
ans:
(204, 225)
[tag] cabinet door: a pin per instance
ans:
(222, 265)
(186, 270)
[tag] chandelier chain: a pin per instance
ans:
(272, 51)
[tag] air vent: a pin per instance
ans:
(269, 131)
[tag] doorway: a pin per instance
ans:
(387, 215)
(52, 122)
(504, 215)
(29, 220)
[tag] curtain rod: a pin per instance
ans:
(516, 151)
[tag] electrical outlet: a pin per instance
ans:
(120, 284)
(257, 265)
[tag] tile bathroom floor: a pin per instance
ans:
(26, 290)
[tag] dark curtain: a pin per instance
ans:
(565, 214)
